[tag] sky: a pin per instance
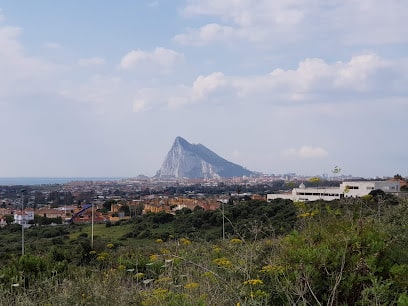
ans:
(102, 88)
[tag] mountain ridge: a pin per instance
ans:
(186, 160)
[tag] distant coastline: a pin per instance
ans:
(7, 181)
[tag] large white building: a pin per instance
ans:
(345, 190)
(24, 217)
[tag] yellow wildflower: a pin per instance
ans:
(165, 251)
(185, 241)
(271, 269)
(139, 275)
(217, 249)
(253, 282)
(121, 267)
(154, 257)
(191, 286)
(223, 262)
(165, 280)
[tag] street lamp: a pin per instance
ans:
(92, 226)
(22, 221)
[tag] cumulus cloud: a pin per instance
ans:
(306, 152)
(203, 86)
(269, 22)
(161, 57)
(21, 73)
(92, 61)
(248, 13)
(257, 22)
(314, 80)
(209, 33)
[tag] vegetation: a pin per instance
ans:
(348, 252)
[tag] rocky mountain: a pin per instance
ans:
(186, 160)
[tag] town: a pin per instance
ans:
(110, 201)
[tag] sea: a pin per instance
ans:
(25, 181)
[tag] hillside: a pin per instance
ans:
(349, 252)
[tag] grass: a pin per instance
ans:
(112, 233)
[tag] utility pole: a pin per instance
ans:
(22, 221)
(223, 221)
(92, 226)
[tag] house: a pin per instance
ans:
(50, 213)
(24, 217)
(350, 189)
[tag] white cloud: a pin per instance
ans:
(248, 13)
(261, 21)
(9, 41)
(371, 22)
(139, 106)
(358, 71)
(92, 61)
(104, 92)
(20, 73)
(52, 45)
(306, 152)
(209, 33)
(203, 86)
(277, 22)
(312, 81)
(161, 57)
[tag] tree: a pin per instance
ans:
(125, 208)
(139, 209)
(336, 171)
(9, 219)
(108, 204)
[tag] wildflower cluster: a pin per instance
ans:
(191, 286)
(185, 241)
(253, 282)
(102, 256)
(308, 214)
(272, 269)
(217, 249)
(223, 262)
(154, 257)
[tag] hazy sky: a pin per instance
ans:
(102, 88)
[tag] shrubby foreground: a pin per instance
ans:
(351, 252)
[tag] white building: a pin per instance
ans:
(345, 190)
(24, 217)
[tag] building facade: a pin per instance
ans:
(24, 217)
(350, 189)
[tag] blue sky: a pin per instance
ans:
(101, 88)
